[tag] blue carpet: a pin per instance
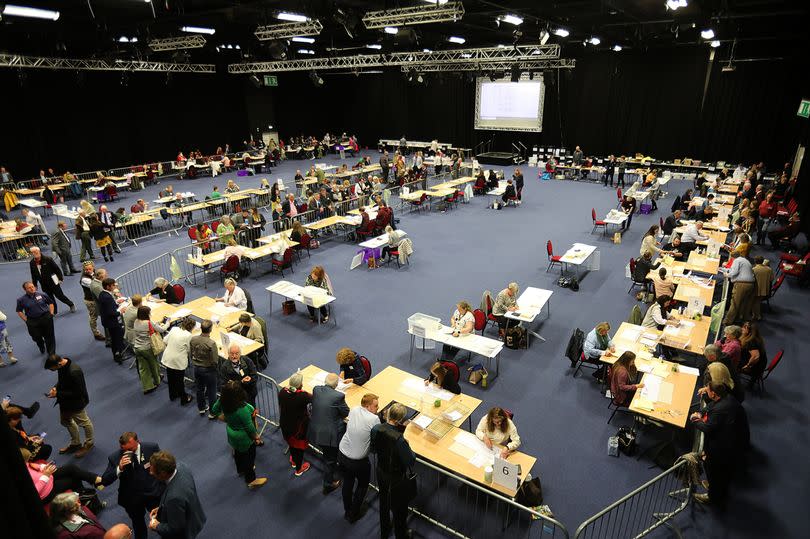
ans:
(458, 254)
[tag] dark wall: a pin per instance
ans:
(52, 120)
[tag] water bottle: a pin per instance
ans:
(613, 446)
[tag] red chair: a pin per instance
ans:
(642, 284)
(759, 381)
(192, 234)
(306, 239)
(364, 233)
(491, 318)
(179, 292)
(794, 269)
(480, 320)
(597, 223)
(792, 206)
(452, 369)
(419, 204)
(619, 196)
(111, 191)
(552, 258)
(284, 263)
(366, 365)
(229, 269)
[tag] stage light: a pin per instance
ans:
(617, 48)
(316, 80)
(594, 41)
(707, 33)
(391, 30)
(511, 19)
(198, 30)
(715, 44)
(426, 50)
(544, 35)
(676, 4)
(292, 17)
(561, 32)
(30, 12)
(456, 39)
(299, 39)
(375, 46)
(306, 51)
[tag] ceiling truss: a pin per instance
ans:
(287, 30)
(535, 65)
(177, 43)
(449, 12)
(77, 64)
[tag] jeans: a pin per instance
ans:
(72, 421)
(206, 380)
(5, 344)
(354, 470)
(245, 462)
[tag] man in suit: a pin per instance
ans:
(288, 207)
(672, 222)
(384, 165)
(46, 273)
(108, 219)
(138, 491)
(180, 514)
(326, 426)
(60, 243)
(110, 319)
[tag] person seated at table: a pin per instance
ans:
(662, 285)
(34, 444)
(234, 296)
(164, 292)
(363, 218)
(753, 358)
(676, 249)
(509, 192)
(462, 323)
(297, 232)
(644, 266)
(351, 367)
(50, 480)
(672, 222)
(492, 180)
(203, 234)
(597, 341)
(657, 314)
(629, 208)
(623, 376)
(442, 377)
(225, 230)
(497, 428)
(231, 187)
(168, 192)
(691, 235)
(233, 249)
(240, 220)
(505, 301)
(248, 327)
(730, 344)
(69, 519)
(317, 278)
(480, 181)
(385, 216)
(686, 202)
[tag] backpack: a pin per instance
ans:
(627, 440)
(574, 285)
(516, 339)
(244, 270)
(530, 493)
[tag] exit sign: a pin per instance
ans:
(804, 108)
(270, 80)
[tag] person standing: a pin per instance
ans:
(241, 429)
(5, 343)
(577, 161)
(148, 368)
(394, 458)
(743, 290)
(180, 513)
(111, 319)
(175, 358)
(610, 167)
(518, 178)
(240, 369)
(82, 227)
(204, 357)
(763, 275)
(88, 274)
(36, 309)
(71, 395)
(138, 491)
(60, 243)
(108, 221)
(353, 456)
(622, 167)
(326, 426)
(46, 274)
(384, 165)
(293, 404)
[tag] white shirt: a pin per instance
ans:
(177, 349)
(692, 235)
(653, 317)
(497, 436)
(236, 298)
(355, 442)
(462, 321)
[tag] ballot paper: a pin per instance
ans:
(180, 313)
(652, 385)
(453, 415)
(236, 338)
(632, 334)
(665, 392)
(417, 386)
(688, 370)
(222, 309)
(422, 421)
(320, 380)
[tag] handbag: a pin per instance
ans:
(288, 307)
(530, 493)
(477, 374)
(158, 346)
(627, 440)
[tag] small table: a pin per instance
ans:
(530, 304)
(293, 291)
(581, 255)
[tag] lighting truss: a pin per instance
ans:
(449, 12)
(39, 62)
(531, 65)
(288, 29)
(508, 56)
(195, 41)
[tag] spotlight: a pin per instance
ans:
(544, 35)
(594, 41)
(306, 51)
(707, 33)
(198, 30)
(617, 48)
(30, 12)
(511, 19)
(420, 78)
(561, 32)
(303, 39)
(715, 44)
(515, 73)
(456, 39)
(292, 17)
(393, 30)
(316, 80)
(255, 81)
(375, 46)
(676, 4)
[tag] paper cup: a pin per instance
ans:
(488, 474)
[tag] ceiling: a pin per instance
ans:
(92, 28)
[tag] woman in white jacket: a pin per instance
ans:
(175, 358)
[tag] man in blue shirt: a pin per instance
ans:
(36, 310)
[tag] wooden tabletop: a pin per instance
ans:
(441, 192)
(329, 221)
(413, 195)
(687, 289)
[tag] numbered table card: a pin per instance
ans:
(505, 473)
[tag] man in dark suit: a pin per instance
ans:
(110, 319)
(384, 166)
(672, 222)
(138, 491)
(180, 514)
(60, 243)
(46, 273)
(326, 426)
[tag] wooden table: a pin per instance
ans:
(687, 289)
(453, 183)
(208, 308)
(329, 221)
(293, 291)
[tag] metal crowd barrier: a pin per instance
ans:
(267, 402)
(16, 250)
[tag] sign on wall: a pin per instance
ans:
(804, 109)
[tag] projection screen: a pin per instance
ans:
(509, 106)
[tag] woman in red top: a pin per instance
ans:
(622, 375)
(767, 212)
(294, 403)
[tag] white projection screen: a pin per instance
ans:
(503, 105)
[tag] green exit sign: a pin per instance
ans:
(804, 108)
(270, 80)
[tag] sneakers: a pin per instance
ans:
(256, 483)
(303, 470)
(69, 449)
(211, 416)
(331, 487)
(2, 364)
(81, 452)
(292, 463)
(203, 411)
(325, 319)
(73, 308)
(702, 498)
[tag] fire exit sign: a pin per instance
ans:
(804, 108)
(270, 80)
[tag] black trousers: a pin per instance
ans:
(609, 176)
(117, 342)
(620, 181)
(41, 332)
(330, 456)
(176, 384)
(354, 470)
(719, 470)
(55, 291)
(245, 462)
(136, 512)
(392, 503)
(324, 311)
(69, 477)
(449, 352)
(297, 456)
(385, 173)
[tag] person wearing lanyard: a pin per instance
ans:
(741, 274)
(462, 323)
(36, 310)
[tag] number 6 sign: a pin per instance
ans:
(505, 473)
